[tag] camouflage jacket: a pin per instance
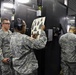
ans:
(68, 47)
(24, 60)
(4, 44)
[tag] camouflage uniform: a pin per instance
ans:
(5, 51)
(24, 60)
(68, 53)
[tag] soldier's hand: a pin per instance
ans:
(5, 60)
(35, 36)
(31, 38)
(43, 27)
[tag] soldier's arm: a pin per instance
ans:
(41, 42)
(37, 43)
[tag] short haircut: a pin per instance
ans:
(72, 28)
(2, 20)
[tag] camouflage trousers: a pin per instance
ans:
(68, 68)
(33, 73)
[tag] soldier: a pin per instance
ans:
(4, 47)
(68, 52)
(24, 60)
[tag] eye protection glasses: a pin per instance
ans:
(7, 23)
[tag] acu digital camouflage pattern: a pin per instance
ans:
(68, 53)
(24, 60)
(5, 51)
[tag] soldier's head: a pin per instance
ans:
(5, 23)
(20, 25)
(72, 29)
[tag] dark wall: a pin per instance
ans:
(53, 12)
(61, 1)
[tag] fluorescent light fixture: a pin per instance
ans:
(65, 18)
(74, 17)
(4, 9)
(72, 20)
(66, 2)
(23, 1)
(8, 5)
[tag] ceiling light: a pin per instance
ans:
(66, 2)
(8, 5)
(72, 20)
(23, 1)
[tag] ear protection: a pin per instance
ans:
(18, 23)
